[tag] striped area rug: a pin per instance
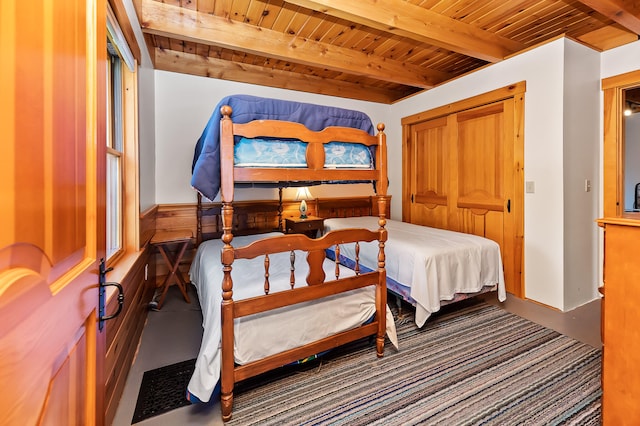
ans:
(475, 365)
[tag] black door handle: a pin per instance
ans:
(101, 296)
(508, 206)
(120, 302)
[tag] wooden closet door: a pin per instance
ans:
(482, 179)
(52, 215)
(478, 161)
(430, 181)
(463, 172)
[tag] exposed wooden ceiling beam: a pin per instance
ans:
(620, 11)
(180, 23)
(608, 37)
(188, 63)
(417, 23)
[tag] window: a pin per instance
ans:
(122, 145)
(115, 152)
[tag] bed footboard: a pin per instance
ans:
(317, 285)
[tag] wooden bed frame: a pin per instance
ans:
(317, 285)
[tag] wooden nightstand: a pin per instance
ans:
(163, 240)
(309, 226)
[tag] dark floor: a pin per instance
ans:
(174, 333)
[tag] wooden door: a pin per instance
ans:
(463, 172)
(430, 183)
(483, 178)
(479, 154)
(52, 188)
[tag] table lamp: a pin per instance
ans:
(302, 195)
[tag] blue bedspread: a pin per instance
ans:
(206, 161)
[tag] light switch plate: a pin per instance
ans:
(530, 187)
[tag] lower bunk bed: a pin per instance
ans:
(427, 267)
(269, 333)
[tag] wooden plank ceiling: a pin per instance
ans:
(375, 50)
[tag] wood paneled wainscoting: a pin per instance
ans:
(252, 217)
(137, 275)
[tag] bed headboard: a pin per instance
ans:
(257, 217)
(349, 207)
(250, 217)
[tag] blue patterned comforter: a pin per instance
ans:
(259, 152)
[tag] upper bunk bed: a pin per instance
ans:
(302, 120)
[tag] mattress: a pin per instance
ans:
(267, 333)
(259, 152)
(434, 264)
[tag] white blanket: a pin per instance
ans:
(261, 335)
(435, 263)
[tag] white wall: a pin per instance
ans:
(542, 69)
(582, 113)
(146, 141)
(146, 117)
(183, 105)
(620, 60)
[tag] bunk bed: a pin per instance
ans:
(266, 298)
(428, 267)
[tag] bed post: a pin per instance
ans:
(280, 225)
(226, 193)
(381, 192)
(199, 221)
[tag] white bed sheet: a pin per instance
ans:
(435, 263)
(267, 333)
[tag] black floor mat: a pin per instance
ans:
(162, 390)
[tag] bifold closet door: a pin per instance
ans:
(430, 176)
(479, 180)
(461, 173)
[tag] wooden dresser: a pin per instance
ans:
(621, 322)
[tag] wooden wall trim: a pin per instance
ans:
(623, 80)
(127, 29)
(138, 279)
(613, 143)
(123, 333)
(148, 224)
(465, 104)
(262, 215)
